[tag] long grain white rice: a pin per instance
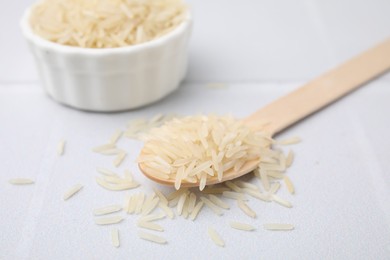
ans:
(156, 173)
(162, 197)
(105, 23)
(176, 194)
(173, 203)
(107, 210)
(130, 204)
(257, 194)
(215, 237)
(167, 210)
(244, 184)
(185, 211)
(191, 202)
(288, 141)
(282, 161)
(119, 159)
(115, 180)
(180, 176)
(264, 179)
(183, 143)
(115, 136)
(180, 203)
(234, 195)
(217, 201)
(139, 202)
(61, 147)
(103, 147)
(246, 209)
(242, 226)
(118, 186)
(232, 186)
(113, 151)
(278, 226)
(289, 185)
(275, 175)
(151, 237)
(212, 206)
(185, 201)
(290, 158)
(196, 210)
(109, 220)
(272, 167)
(72, 191)
(211, 190)
(21, 181)
(203, 181)
(115, 237)
(153, 217)
(149, 206)
(281, 201)
(148, 201)
(274, 188)
(150, 225)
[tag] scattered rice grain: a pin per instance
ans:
(150, 225)
(195, 212)
(234, 195)
(72, 191)
(21, 181)
(290, 158)
(246, 209)
(151, 237)
(167, 210)
(232, 186)
(288, 141)
(289, 185)
(115, 137)
(159, 194)
(278, 226)
(281, 201)
(107, 210)
(61, 147)
(109, 220)
(119, 159)
(215, 237)
(102, 148)
(217, 201)
(242, 226)
(212, 206)
(115, 237)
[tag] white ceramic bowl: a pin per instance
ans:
(111, 79)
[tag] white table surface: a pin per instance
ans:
(262, 50)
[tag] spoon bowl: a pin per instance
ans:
(227, 175)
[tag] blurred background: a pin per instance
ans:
(247, 40)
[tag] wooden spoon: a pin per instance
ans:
(306, 100)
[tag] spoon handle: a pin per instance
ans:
(323, 90)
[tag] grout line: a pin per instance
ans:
(235, 81)
(33, 211)
(267, 81)
(16, 82)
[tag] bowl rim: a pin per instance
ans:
(57, 47)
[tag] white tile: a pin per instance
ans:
(340, 173)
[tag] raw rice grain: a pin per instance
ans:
(72, 191)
